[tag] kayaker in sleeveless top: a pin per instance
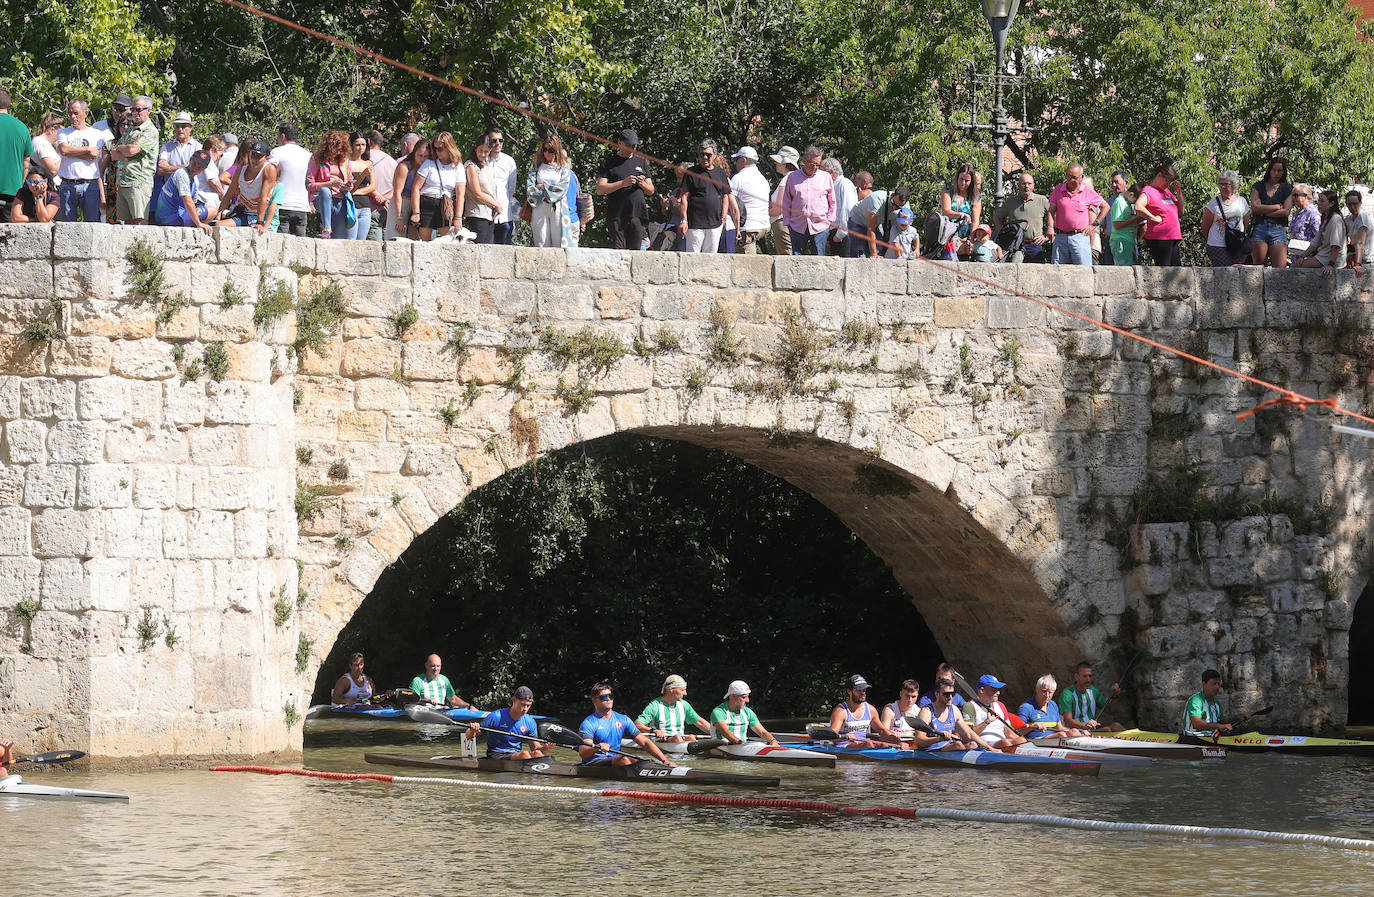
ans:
(854, 718)
(733, 720)
(668, 716)
(6, 756)
(353, 687)
(1202, 716)
(990, 726)
(894, 714)
(945, 719)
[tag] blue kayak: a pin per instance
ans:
(956, 759)
(364, 711)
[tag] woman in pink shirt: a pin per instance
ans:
(1161, 205)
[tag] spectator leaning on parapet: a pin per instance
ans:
(846, 194)
(15, 145)
(808, 204)
(785, 161)
(1306, 222)
(705, 192)
(36, 202)
(136, 155)
(80, 146)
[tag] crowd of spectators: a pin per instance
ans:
(119, 170)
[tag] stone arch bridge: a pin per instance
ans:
(213, 447)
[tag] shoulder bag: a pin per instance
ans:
(1237, 240)
(446, 207)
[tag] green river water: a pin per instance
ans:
(194, 832)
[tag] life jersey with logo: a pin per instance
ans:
(1082, 706)
(1207, 711)
(607, 730)
(899, 724)
(996, 730)
(673, 719)
(500, 744)
(944, 726)
(856, 725)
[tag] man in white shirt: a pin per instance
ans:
(383, 169)
(291, 161)
(1358, 225)
(846, 194)
(751, 192)
(507, 187)
(80, 146)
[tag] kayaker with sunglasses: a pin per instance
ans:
(604, 729)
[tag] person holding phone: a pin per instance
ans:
(623, 179)
(36, 202)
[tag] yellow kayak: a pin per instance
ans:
(1257, 742)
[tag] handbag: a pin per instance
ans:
(446, 209)
(1237, 240)
(526, 211)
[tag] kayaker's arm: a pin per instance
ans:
(723, 731)
(920, 740)
(703, 725)
(1202, 725)
(763, 733)
(837, 718)
(647, 743)
(968, 735)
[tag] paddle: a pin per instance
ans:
(703, 745)
(1243, 719)
(424, 715)
(972, 695)
(52, 757)
(1119, 680)
(568, 738)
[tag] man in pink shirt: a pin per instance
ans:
(1075, 212)
(808, 204)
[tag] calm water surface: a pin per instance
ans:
(191, 832)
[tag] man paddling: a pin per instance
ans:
(955, 735)
(1202, 716)
(603, 731)
(434, 686)
(854, 718)
(734, 720)
(991, 726)
(1080, 704)
(1042, 714)
(668, 715)
(514, 721)
(894, 715)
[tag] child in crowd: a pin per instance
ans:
(905, 244)
(984, 249)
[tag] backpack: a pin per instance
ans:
(1011, 236)
(937, 234)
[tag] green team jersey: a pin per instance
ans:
(1081, 705)
(671, 718)
(1203, 709)
(738, 723)
(436, 691)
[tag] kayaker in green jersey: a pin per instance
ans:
(734, 720)
(434, 686)
(668, 716)
(1080, 703)
(1202, 716)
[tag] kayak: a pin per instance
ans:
(644, 771)
(1108, 761)
(957, 759)
(755, 751)
(362, 711)
(1256, 742)
(16, 786)
(1106, 745)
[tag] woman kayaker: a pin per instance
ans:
(943, 718)
(353, 687)
(895, 714)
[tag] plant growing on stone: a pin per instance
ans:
(230, 296)
(26, 610)
(170, 308)
(303, 646)
(525, 431)
(289, 714)
(471, 392)
(310, 502)
(576, 397)
(799, 354)
(169, 635)
(304, 454)
(855, 333)
(848, 409)
(593, 353)
(343, 541)
(274, 299)
(402, 319)
(147, 277)
(147, 628)
(297, 396)
(722, 346)
(666, 340)
(696, 380)
(191, 373)
(459, 341)
(178, 352)
(339, 470)
(47, 327)
(281, 609)
(449, 414)
(319, 318)
(216, 360)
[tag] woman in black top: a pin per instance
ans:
(1271, 202)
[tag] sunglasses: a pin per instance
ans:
(605, 697)
(496, 140)
(947, 694)
(34, 183)
(141, 108)
(550, 149)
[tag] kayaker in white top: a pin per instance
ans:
(990, 727)
(894, 714)
(353, 687)
(854, 718)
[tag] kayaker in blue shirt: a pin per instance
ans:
(604, 729)
(1041, 712)
(516, 721)
(943, 671)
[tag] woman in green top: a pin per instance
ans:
(1125, 221)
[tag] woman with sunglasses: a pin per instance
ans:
(546, 190)
(439, 178)
(36, 202)
(255, 196)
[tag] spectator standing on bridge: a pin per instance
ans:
(1161, 205)
(1031, 210)
(1306, 221)
(479, 200)
(361, 185)
(80, 146)
(623, 178)
(809, 204)
(750, 189)
(705, 201)
(1358, 227)
(436, 196)
(45, 156)
(507, 185)
(547, 189)
(292, 162)
(135, 154)
(785, 161)
(1271, 199)
(846, 195)
(406, 168)
(383, 167)
(328, 180)
(15, 145)
(176, 153)
(961, 202)
(1124, 221)
(1225, 210)
(175, 204)
(863, 187)
(1076, 209)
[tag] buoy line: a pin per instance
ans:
(1147, 828)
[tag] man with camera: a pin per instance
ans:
(624, 180)
(135, 154)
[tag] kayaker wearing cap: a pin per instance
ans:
(945, 719)
(434, 686)
(605, 729)
(854, 718)
(516, 721)
(668, 715)
(989, 726)
(1202, 716)
(1080, 704)
(894, 714)
(734, 719)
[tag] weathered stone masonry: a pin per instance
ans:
(1000, 458)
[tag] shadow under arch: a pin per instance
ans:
(1361, 659)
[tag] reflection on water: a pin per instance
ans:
(191, 832)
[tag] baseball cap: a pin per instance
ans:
(199, 157)
(786, 156)
(904, 216)
(123, 100)
(983, 226)
(987, 680)
(259, 148)
(232, 139)
(630, 137)
(738, 687)
(183, 118)
(748, 152)
(674, 681)
(523, 693)
(857, 682)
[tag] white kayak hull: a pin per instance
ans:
(1105, 744)
(17, 787)
(752, 751)
(1108, 761)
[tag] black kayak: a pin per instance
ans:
(644, 771)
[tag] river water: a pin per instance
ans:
(194, 832)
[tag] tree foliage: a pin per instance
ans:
(630, 558)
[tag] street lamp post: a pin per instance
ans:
(1000, 14)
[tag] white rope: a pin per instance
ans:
(1153, 828)
(560, 789)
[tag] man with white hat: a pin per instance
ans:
(176, 153)
(668, 715)
(734, 719)
(751, 191)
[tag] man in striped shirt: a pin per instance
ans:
(1080, 704)
(668, 715)
(1202, 716)
(434, 686)
(733, 719)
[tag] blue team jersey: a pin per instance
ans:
(1031, 714)
(607, 730)
(498, 745)
(929, 698)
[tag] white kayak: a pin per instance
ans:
(754, 751)
(1108, 760)
(1106, 744)
(16, 786)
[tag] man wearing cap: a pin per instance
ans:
(785, 161)
(254, 196)
(176, 153)
(135, 155)
(505, 725)
(175, 204)
(991, 727)
(80, 146)
(1081, 703)
(668, 715)
(808, 204)
(705, 198)
(623, 179)
(853, 719)
(751, 191)
(434, 686)
(1076, 210)
(873, 219)
(604, 730)
(733, 720)
(1031, 210)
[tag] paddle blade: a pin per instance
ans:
(552, 731)
(817, 732)
(1017, 722)
(53, 757)
(702, 745)
(423, 714)
(920, 725)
